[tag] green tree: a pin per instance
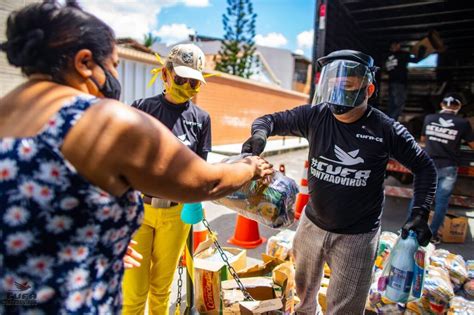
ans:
(238, 47)
(149, 39)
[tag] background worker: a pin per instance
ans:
(350, 144)
(162, 236)
(442, 134)
(396, 66)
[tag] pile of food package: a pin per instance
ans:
(281, 245)
(387, 241)
(461, 306)
(448, 286)
(454, 264)
(269, 201)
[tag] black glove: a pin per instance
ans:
(418, 222)
(256, 143)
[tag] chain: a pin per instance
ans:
(224, 257)
(180, 282)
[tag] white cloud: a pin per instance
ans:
(133, 18)
(271, 40)
(173, 33)
(305, 39)
(196, 3)
(299, 51)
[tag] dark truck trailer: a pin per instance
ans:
(371, 25)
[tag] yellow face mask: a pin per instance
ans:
(180, 93)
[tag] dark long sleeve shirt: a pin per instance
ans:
(444, 132)
(189, 123)
(348, 162)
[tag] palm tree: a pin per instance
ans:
(149, 39)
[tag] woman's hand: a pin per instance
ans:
(262, 167)
(132, 257)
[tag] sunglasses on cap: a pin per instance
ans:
(451, 101)
(180, 81)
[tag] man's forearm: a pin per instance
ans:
(263, 126)
(424, 186)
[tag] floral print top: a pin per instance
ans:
(62, 238)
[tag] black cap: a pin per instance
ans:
(347, 54)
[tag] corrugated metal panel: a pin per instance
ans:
(134, 77)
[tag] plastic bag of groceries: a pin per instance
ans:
(387, 241)
(454, 264)
(438, 289)
(410, 284)
(269, 201)
(280, 245)
(460, 306)
(470, 268)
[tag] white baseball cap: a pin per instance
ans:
(188, 61)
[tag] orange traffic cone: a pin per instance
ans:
(200, 234)
(303, 197)
(246, 233)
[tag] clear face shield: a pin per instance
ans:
(343, 85)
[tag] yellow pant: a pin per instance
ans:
(161, 240)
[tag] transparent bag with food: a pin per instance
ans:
(269, 201)
(454, 264)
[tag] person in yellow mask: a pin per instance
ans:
(162, 236)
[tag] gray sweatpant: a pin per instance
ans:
(351, 259)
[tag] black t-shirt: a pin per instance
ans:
(189, 123)
(347, 164)
(396, 65)
(444, 132)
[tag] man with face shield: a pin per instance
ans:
(350, 144)
(344, 85)
(162, 236)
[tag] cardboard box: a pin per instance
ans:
(323, 302)
(454, 228)
(260, 270)
(428, 45)
(275, 295)
(284, 277)
(209, 272)
(260, 288)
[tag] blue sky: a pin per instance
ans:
(280, 23)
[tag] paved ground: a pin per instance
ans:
(222, 220)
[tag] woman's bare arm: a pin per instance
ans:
(117, 147)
